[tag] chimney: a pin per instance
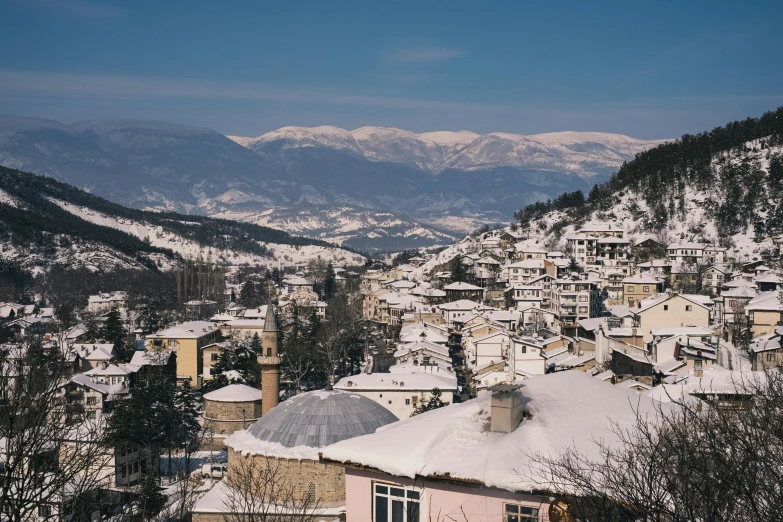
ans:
(506, 408)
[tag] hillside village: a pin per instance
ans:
(526, 372)
(300, 369)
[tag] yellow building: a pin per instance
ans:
(669, 311)
(187, 340)
(638, 287)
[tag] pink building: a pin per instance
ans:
(470, 462)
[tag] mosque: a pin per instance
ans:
(274, 463)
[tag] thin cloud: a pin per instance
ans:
(79, 86)
(74, 8)
(422, 54)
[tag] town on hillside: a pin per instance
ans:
(410, 386)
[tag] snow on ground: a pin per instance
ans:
(76, 253)
(7, 199)
(283, 255)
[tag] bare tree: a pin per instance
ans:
(703, 461)
(53, 455)
(259, 490)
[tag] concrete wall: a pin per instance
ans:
(437, 499)
(673, 313)
(395, 400)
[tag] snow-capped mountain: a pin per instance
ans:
(434, 184)
(586, 154)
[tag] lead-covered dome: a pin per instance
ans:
(320, 418)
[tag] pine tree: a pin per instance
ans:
(574, 266)
(188, 429)
(151, 499)
(248, 296)
(330, 283)
(255, 344)
(94, 330)
(113, 331)
(434, 403)
(458, 272)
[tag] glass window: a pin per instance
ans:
(519, 513)
(771, 357)
(665, 307)
(395, 504)
(645, 289)
(688, 308)
(630, 288)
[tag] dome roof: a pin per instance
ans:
(234, 393)
(320, 418)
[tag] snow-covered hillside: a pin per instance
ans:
(631, 212)
(358, 228)
(282, 255)
(583, 153)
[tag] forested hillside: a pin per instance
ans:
(44, 217)
(731, 176)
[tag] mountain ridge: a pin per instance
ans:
(456, 178)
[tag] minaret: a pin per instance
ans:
(269, 363)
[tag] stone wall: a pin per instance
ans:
(227, 417)
(327, 479)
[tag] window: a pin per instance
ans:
(688, 308)
(44, 511)
(395, 504)
(213, 357)
(311, 492)
(630, 288)
(407, 402)
(91, 401)
(518, 513)
(771, 357)
(665, 307)
(645, 289)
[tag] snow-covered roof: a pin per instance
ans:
(298, 427)
(397, 382)
(528, 263)
(765, 301)
(569, 410)
(692, 331)
(462, 304)
(188, 330)
(641, 279)
(462, 287)
(150, 357)
(234, 393)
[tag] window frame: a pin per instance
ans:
(411, 496)
(518, 512)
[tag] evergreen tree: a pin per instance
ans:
(151, 499)
(94, 330)
(434, 403)
(255, 344)
(248, 296)
(114, 332)
(188, 429)
(574, 266)
(151, 320)
(458, 272)
(330, 283)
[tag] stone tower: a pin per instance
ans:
(269, 362)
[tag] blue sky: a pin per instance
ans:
(650, 70)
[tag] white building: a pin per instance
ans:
(400, 393)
